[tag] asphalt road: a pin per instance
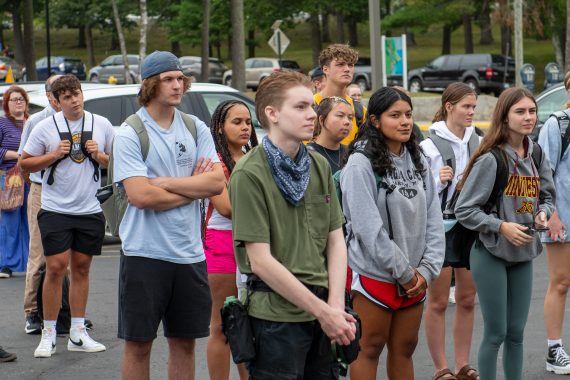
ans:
(102, 309)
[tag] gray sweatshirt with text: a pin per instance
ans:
(418, 236)
(520, 202)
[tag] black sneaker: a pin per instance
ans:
(6, 356)
(5, 272)
(88, 324)
(557, 360)
(33, 324)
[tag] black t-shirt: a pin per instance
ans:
(334, 157)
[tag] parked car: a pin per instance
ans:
(192, 67)
(17, 70)
(257, 69)
(483, 72)
(60, 65)
(113, 65)
(363, 74)
(549, 101)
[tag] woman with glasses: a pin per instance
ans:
(14, 236)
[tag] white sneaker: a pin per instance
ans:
(79, 340)
(46, 348)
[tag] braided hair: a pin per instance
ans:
(220, 141)
(372, 140)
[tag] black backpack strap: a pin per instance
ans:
(358, 113)
(501, 179)
(86, 136)
(563, 122)
(63, 136)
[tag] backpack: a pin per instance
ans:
(563, 121)
(113, 198)
(358, 112)
(85, 136)
(446, 151)
(460, 239)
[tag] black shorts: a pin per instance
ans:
(81, 233)
(151, 291)
(291, 350)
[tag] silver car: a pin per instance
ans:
(113, 66)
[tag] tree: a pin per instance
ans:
(205, 40)
(121, 40)
(484, 21)
(18, 34)
(143, 26)
(238, 44)
(30, 52)
(467, 34)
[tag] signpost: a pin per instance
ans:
(394, 59)
(278, 42)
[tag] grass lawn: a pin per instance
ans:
(64, 42)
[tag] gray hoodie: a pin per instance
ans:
(518, 203)
(418, 237)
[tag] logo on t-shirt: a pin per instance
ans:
(183, 157)
(76, 153)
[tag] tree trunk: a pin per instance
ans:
(251, 43)
(485, 25)
(238, 45)
(506, 40)
(205, 40)
(567, 54)
(143, 30)
(219, 44)
(30, 52)
(353, 31)
(340, 29)
(446, 42)
(114, 39)
(121, 41)
(18, 35)
(89, 43)
(316, 44)
(2, 36)
(175, 48)
(81, 38)
(558, 50)
(326, 32)
(410, 38)
(467, 34)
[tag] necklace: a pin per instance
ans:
(331, 159)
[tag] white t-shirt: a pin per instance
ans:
(73, 190)
(219, 222)
(173, 235)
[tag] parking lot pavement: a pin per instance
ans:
(102, 309)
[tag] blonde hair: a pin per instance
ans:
(342, 52)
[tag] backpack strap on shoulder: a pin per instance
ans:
(86, 136)
(444, 148)
(473, 143)
(137, 124)
(358, 113)
(563, 122)
(63, 136)
(190, 125)
(501, 179)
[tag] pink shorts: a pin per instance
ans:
(219, 250)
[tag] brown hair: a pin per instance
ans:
(342, 52)
(453, 94)
(150, 86)
(498, 133)
(567, 87)
(68, 82)
(325, 107)
(271, 91)
(14, 89)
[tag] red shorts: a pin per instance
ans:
(219, 250)
(384, 294)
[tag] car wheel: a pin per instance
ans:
(473, 84)
(228, 81)
(94, 78)
(133, 79)
(361, 82)
(415, 85)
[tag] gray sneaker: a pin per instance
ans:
(557, 360)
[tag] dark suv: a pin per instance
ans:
(483, 72)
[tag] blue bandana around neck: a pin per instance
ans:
(291, 176)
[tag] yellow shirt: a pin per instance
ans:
(348, 139)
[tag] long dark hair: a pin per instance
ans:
(374, 141)
(498, 133)
(217, 125)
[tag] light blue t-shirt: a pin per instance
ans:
(550, 139)
(173, 235)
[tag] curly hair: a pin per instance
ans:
(372, 140)
(64, 83)
(342, 52)
(150, 86)
(5, 104)
(217, 127)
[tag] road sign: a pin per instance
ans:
(279, 38)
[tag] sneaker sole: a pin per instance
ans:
(557, 370)
(46, 355)
(7, 359)
(75, 348)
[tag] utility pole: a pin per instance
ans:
(518, 41)
(375, 44)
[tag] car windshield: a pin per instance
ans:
(552, 102)
(290, 65)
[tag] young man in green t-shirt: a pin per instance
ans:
(287, 229)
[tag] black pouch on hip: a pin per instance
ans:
(237, 329)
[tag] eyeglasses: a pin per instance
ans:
(18, 100)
